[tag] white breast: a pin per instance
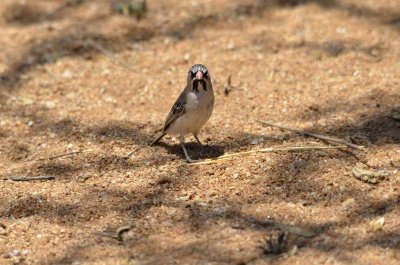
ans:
(198, 109)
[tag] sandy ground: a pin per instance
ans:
(74, 76)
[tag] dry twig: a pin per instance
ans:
(118, 234)
(107, 235)
(122, 230)
(228, 86)
(297, 230)
(26, 178)
(318, 136)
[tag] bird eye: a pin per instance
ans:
(192, 75)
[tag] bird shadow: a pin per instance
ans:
(195, 150)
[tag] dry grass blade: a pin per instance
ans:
(131, 153)
(318, 136)
(216, 160)
(107, 235)
(391, 162)
(26, 178)
(69, 154)
(111, 56)
(228, 157)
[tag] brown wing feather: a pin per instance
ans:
(177, 110)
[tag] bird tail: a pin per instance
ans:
(158, 138)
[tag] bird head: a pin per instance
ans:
(198, 78)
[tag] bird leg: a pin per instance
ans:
(197, 139)
(188, 159)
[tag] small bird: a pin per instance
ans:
(192, 109)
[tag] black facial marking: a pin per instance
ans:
(196, 85)
(204, 84)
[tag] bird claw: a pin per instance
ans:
(188, 159)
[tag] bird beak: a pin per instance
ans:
(199, 75)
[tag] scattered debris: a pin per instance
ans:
(372, 177)
(133, 8)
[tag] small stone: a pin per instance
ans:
(27, 101)
(14, 253)
(341, 30)
(84, 177)
(167, 224)
(212, 193)
(105, 72)
(49, 104)
(230, 46)
(372, 177)
(293, 251)
(186, 57)
(377, 224)
(348, 204)
(67, 74)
